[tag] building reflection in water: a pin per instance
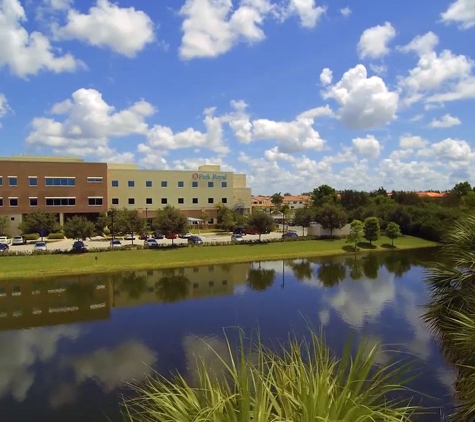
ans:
(74, 299)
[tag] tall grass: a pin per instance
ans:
(451, 311)
(302, 382)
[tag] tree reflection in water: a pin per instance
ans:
(371, 266)
(331, 273)
(302, 269)
(80, 294)
(132, 284)
(260, 278)
(172, 287)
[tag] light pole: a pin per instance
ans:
(146, 219)
(111, 215)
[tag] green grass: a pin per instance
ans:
(303, 382)
(122, 260)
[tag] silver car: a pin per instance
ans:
(18, 240)
(40, 247)
(116, 243)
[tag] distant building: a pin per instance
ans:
(293, 201)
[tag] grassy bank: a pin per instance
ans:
(114, 261)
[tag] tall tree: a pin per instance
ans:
(285, 210)
(371, 229)
(39, 222)
(277, 200)
(129, 221)
(324, 194)
(225, 217)
(462, 188)
(78, 227)
(356, 233)
(170, 220)
(331, 217)
(303, 217)
(352, 199)
(393, 231)
(261, 222)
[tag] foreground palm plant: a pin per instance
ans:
(451, 310)
(302, 383)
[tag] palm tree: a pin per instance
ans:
(277, 199)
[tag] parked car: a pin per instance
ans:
(157, 235)
(290, 235)
(237, 238)
(195, 240)
(18, 240)
(144, 236)
(116, 243)
(79, 246)
(4, 248)
(185, 235)
(4, 239)
(40, 247)
(129, 236)
(150, 243)
(240, 230)
(171, 236)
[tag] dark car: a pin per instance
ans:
(3, 247)
(171, 236)
(144, 236)
(240, 230)
(195, 240)
(290, 235)
(157, 235)
(79, 246)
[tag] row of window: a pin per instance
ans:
(50, 181)
(164, 201)
(55, 202)
(164, 184)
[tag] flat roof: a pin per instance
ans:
(46, 159)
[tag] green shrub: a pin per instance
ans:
(31, 236)
(56, 236)
(106, 231)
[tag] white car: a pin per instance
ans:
(185, 235)
(237, 238)
(40, 246)
(4, 239)
(116, 243)
(18, 240)
(129, 236)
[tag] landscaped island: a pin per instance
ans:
(131, 260)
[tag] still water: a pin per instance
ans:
(69, 345)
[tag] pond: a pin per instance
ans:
(68, 346)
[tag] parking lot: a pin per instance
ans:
(97, 243)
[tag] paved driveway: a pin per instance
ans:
(66, 244)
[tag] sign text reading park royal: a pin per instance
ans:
(209, 176)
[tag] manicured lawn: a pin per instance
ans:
(120, 260)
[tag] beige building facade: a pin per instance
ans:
(193, 192)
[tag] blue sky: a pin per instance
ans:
(294, 93)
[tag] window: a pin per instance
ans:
(195, 285)
(210, 200)
(94, 179)
(195, 200)
(224, 200)
(149, 201)
(210, 184)
(210, 283)
(13, 202)
(33, 202)
(148, 184)
(211, 268)
(115, 183)
(181, 200)
(94, 201)
(164, 201)
(181, 184)
(33, 181)
(60, 181)
(196, 269)
(131, 201)
(60, 202)
(131, 184)
(224, 184)
(1, 202)
(115, 201)
(12, 181)
(194, 184)
(224, 282)
(1, 181)
(164, 184)
(210, 221)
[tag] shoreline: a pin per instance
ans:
(29, 267)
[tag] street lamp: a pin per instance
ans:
(146, 219)
(111, 213)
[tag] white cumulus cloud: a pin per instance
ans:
(308, 12)
(411, 142)
(4, 107)
(28, 53)
(445, 121)
(365, 103)
(461, 12)
(326, 76)
(124, 30)
(346, 11)
(368, 147)
(88, 124)
(211, 27)
(374, 41)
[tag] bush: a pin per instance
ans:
(56, 236)
(31, 236)
(106, 231)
